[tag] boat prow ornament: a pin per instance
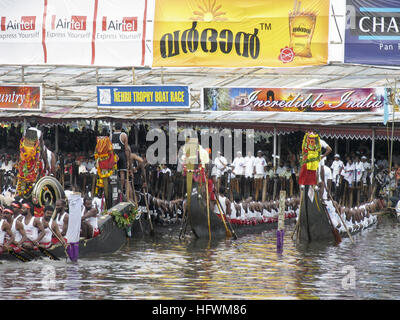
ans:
(48, 190)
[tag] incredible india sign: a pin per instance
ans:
(294, 100)
(233, 33)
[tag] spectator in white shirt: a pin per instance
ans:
(259, 172)
(238, 170)
(7, 165)
(221, 165)
(337, 168)
(248, 174)
(365, 178)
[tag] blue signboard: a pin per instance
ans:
(373, 32)
(144, 97)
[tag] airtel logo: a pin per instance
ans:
(27, 23)
(128, 24)
(75, 23)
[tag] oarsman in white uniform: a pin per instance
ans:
(89, 217)
(248, 174)
(50, 226)
(259, 172)
(33, 227)
(238, 170)
(61, 217)
(17, 228)
(236, 209)
(17, 211)
(336, 167)
(224, 202)
(5, 230)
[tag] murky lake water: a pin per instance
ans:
(247, 268)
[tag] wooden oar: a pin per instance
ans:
(30, 255)
(208, 210)
(46, 252)
(222, 213)
(335, 232)
(298, 218)
(189, 184)
(341, 219)
(136, 202)
(148, 212)
(18, 256)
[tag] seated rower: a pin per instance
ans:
(33, 227)
(5, 229)
(224, 202)
(61, 216)
(89, 219)
(50, 226)
(17, 211)
(17, 227)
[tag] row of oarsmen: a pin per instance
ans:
(21, 229)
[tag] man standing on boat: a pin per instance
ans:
(311, 158)
(121, 147)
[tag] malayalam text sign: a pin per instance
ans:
(234, 33)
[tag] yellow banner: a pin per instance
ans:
(246, 33)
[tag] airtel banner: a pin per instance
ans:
(75, 32)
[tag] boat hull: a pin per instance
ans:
(198, 219)
(110, 240)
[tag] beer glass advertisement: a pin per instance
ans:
(21, 98)
(233, 33)
(372, 32)
(294, 99)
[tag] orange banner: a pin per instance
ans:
(233, 33)
(20, 97)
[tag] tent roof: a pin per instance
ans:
(69, 92)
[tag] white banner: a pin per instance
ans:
(21, 24)
(121, 33)
(76, 32)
